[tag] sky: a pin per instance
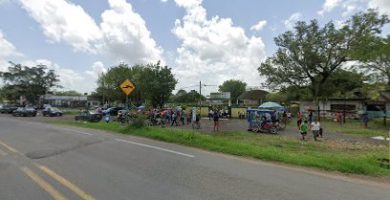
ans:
(201, 40)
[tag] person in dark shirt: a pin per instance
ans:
(216, 120)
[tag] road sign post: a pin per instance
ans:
(127, 88)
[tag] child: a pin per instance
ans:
(303, 129)
(315, 128)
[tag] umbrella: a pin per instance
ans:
(271, 105)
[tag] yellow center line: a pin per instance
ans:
(66, 183)
(8, 147)
(43, 184)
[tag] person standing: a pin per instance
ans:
(174, 118)
(184, 117)
(216, 121)
(310, 117)
(299, 120)
(303, 129)
(315, 127)
(169, 116)
(365, 120)
(251, 118)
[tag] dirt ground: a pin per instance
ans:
(237, 125)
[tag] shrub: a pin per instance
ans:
(139, 121)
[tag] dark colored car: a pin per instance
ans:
(52, 112)
(24, 112)
(88, 116)
(113, 111)
(8, 109)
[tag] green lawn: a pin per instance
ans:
(354, 127)
(375, 127)
(327, 155)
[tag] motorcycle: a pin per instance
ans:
(266, 127)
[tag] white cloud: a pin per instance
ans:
(214, 50)
(126, 37)
(290, 22)
(84, 81)
(382, 5)
(349, 7)
(259, 26)
(8, 52)
(97, 69)
(121, 36)
(7, 48)
(64, 21)
(70, 79)
(328, 6)
(164, 1)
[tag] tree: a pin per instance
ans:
(191, 97)
(30, 82)
(67, 93)
(341, 83)
(108, 83)
(309, 55)
(374, 52)
(235, 87)
(156, 83)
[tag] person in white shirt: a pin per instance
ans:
(315, 127)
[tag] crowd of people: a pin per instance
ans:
(307, 123)
(172, 117)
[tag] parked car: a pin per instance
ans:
(24, 112)
(113, 111)
(52, 112)
(88, 116)
(8, 109)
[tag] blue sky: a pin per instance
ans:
(209, 40)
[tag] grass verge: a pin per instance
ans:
(353, 127)
(357, 158)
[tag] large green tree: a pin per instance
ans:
(235, 87)
(108, 83)
(154, 83)
(341, 83)
(311, 53)
(30, 82)
(374, 54)
(67, 93)
(187, 97)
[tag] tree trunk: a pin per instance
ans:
(388, 80)
(316, 92)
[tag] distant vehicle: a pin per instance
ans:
(52, 112)
(88, 116)
(24, 112)
(113, 111)
(8, 109)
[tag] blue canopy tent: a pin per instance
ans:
(271, 106)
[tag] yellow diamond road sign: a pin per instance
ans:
(127, 87)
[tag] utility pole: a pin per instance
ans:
(200, 93)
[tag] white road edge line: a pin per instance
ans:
(75, 131)
(155, 147)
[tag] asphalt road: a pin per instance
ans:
(42, 161)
